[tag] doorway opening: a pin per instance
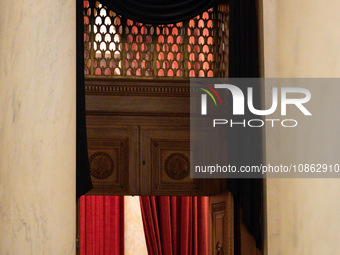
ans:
(138, 127)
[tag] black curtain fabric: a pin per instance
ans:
(246, 143)
(159, 11)
(83, 177)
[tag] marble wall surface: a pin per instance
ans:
(37, 127)
(301, 39)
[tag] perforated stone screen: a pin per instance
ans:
(121, 48)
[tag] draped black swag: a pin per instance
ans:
(243, 62)
(159, 11)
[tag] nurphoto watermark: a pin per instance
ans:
(230, 117)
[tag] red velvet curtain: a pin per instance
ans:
(176, 225)
(102, 225)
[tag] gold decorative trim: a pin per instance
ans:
(138, 87)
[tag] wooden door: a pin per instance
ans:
(221, 210)
(165, 162)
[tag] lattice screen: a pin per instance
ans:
(122, 48)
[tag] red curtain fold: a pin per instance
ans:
(102, 225)
(176, 225)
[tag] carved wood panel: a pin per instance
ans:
(166, 163)
(112, 159)
(222, 224)
(154, 116)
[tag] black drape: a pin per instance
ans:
(83, 177)
(159, 11)
(246, 143)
